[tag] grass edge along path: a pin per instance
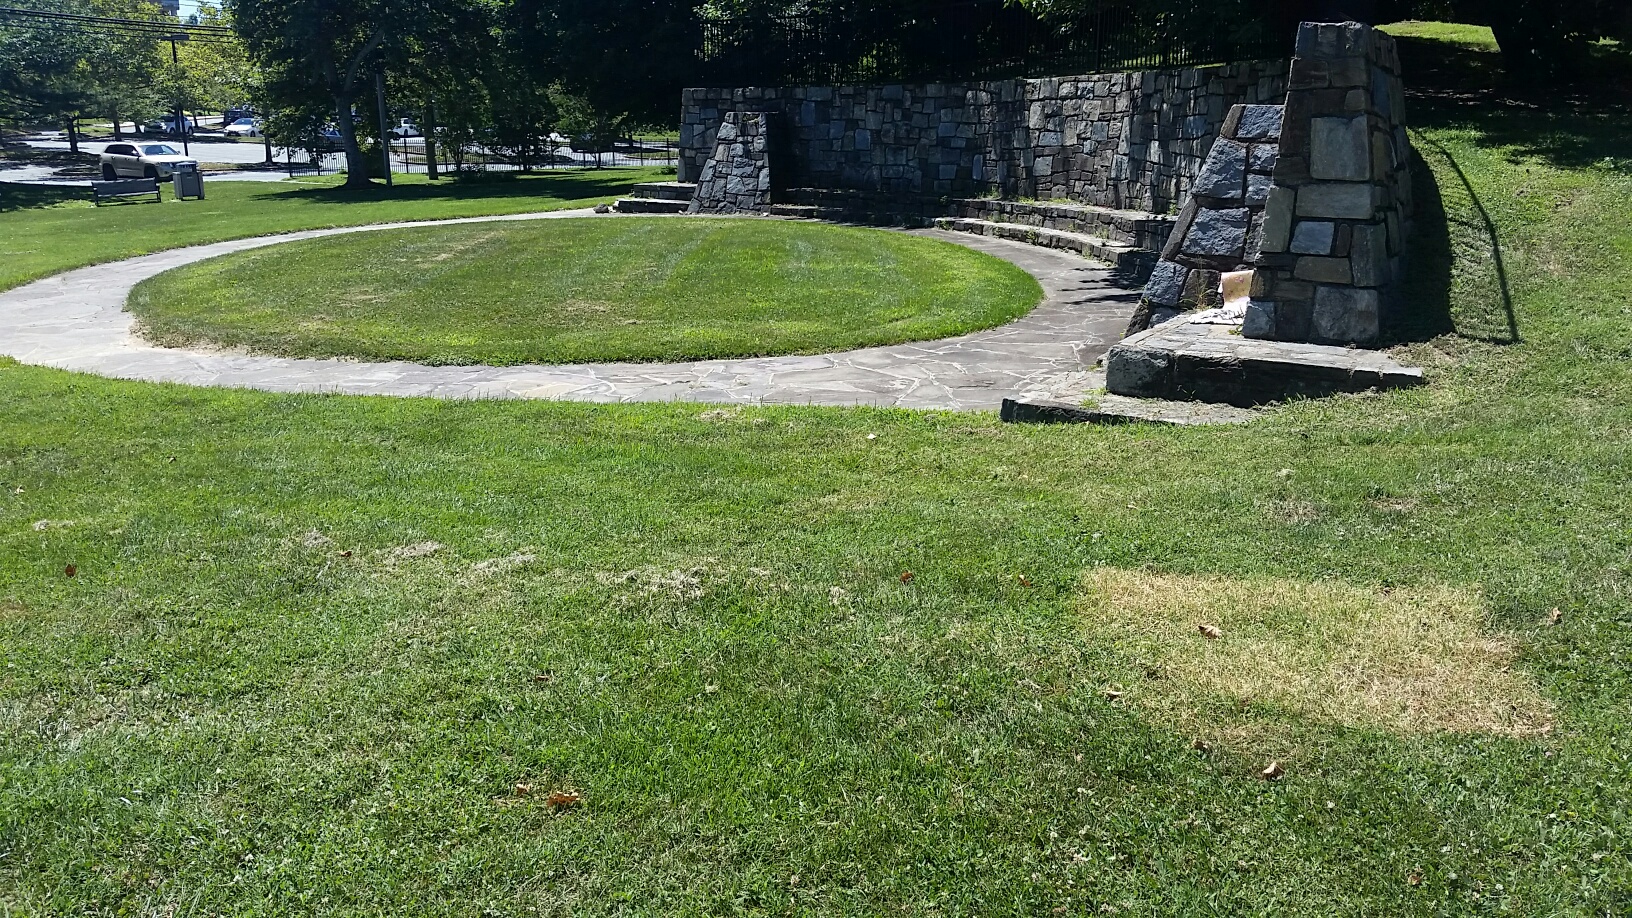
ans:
(585, 290)
(52, 229)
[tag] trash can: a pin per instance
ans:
(188, 181)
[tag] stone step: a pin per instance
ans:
(650, 206)
(805, 211)
(1135, 261)
(665, 191)
(1214, 363)
(1133, 227)
(857, 206)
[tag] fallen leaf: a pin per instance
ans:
(523, 790)
(1112, 694)
(542, 677)
(1272, 771)
(1201, 745)
(562, 800)
(1555, 616)
(1415, 879)
(1025, 581)
(70, 570)
(346, 553)
(1210, 631)
(906, 576)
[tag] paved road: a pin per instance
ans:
(253, 152)
(77, 321)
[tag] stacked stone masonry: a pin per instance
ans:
(1221, 228)
(1131, 141)
(1339, 211)
(737, 177)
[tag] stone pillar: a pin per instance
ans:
(1220, 229)
(738, 176)
(1339, 209)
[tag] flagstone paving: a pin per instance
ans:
(77, 321)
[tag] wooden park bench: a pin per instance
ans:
(125, 188)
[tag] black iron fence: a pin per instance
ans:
(987, 39)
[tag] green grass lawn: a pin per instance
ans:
(49, 229)
(592, 289)
(323, 655)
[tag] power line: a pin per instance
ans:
(203, 32)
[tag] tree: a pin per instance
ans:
(43, 75)
(330, 50)
(126, 70)
(626, 57)
(215, 74)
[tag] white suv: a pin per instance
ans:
(142, 160)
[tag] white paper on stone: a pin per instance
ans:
(1236, 287)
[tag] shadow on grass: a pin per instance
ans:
(566, 186)
(1566, 121)
(17, 196)
(1438, 232)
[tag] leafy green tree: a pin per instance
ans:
(131, 75)
(627, 57)
(216, 74)
(43, 76)
(330, 50)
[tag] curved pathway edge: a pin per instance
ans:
(76, 321)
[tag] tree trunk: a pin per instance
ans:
(431, 165)
(73, 135)
(118, 131)
(356, 165)
(267, 139)
(1529, 37)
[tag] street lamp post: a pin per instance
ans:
(175, 71)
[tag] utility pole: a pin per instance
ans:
(385, 134)
(175, 71)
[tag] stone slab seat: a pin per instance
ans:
(650, 206)
(1214, 363)
(664, 191)
(1131, 259)
(1133, 227)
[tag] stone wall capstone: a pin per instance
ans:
(1131, 141)
(738, 176)
(1339, 211)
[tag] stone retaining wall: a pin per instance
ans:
(1132, 141)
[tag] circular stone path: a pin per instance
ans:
(76, 321)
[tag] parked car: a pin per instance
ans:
(405, 128)
(167, 125)
(142, 160)
(243, 127)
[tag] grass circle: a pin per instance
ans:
(584, 290)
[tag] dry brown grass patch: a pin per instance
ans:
(1295, 512)
(1407, 661)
